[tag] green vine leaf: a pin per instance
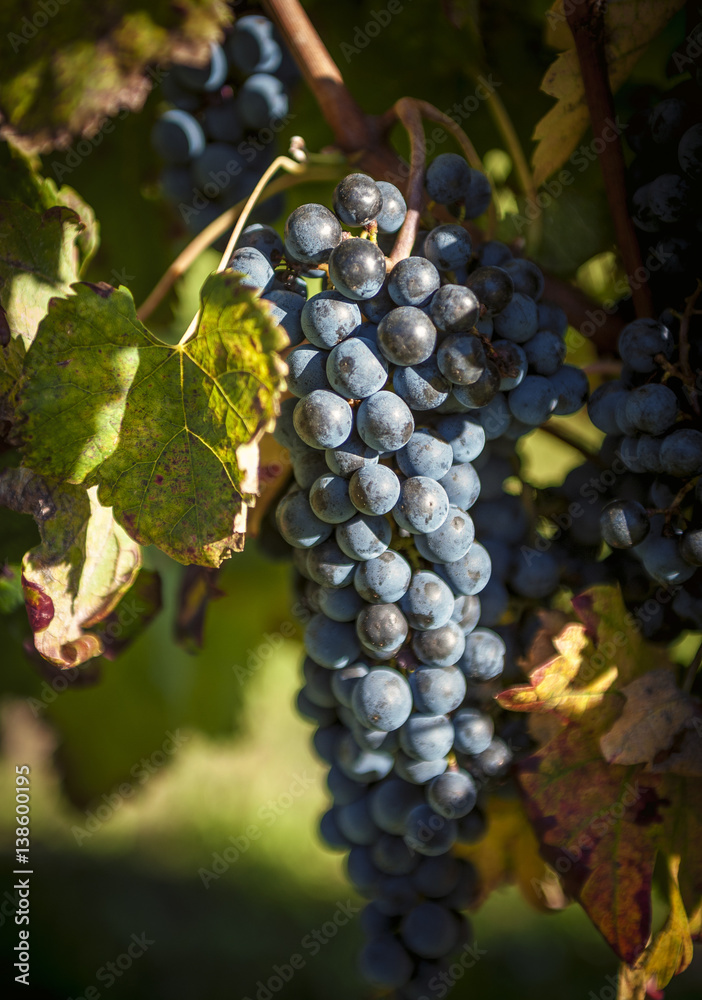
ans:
(630, 26)
(63, 79)
(79, 572)
(169, 434)
(38, 260)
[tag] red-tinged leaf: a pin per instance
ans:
(598, 826)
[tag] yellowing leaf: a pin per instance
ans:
(78, 574)
(169, 434)
(65, 79)
(629, 25)
(656, 726)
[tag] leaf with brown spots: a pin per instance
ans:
(658, 727)
(169, 434)
(79, 573)
(601, 824)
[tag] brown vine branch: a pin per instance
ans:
(352, 128)
(587, 23)
(369, 141)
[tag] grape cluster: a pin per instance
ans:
(219, 136)
(398, 382)
(665, 201)
(645, 500)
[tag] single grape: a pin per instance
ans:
(357, 200)
(264, 239)
(341, 604)
(691, 546)
(454, 309)
(641, 341)
(394, 210)
(385, 963)
(177, 137)
(384, 421)
(452, 794)
(382, 699)
(439, 647)
(545, 352)
(571, 387)
(261, 99)
(425, 454)
(357, 268)
(418, 772)
(462, 485)
(536, 574)
(449, 542)
(311, 233)
(681, 453)
(461, 358)
(473, 730)
(406, 336)
(437, 690)
(322, 419)
(307, 370)
(447, 178)
(308, 465)
(360, 868)
(255, 268)
(422, 506)
(518, 320)
(468, 575)
(426, 737)
(356, 368)
(352, 455)
(484, 655)
(422, 386)
(493, 288)
(652, 408)
(465, 435)
(328, 318)
(482, 391)
(382, 629)
(331, 644)
(366, 766)
(252, 46)
(448, 247)
(413, 281)
(364, 537)
(528, 279)
(328, 566)
(343, 790)
(624, 523)
(298, 523)
(383, 580)
(466, 612)
(533, 400)
(392, 856)
(428, 833)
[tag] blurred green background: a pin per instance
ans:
(174, 794)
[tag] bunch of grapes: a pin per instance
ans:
(221, 133)
(404, 385)
(645, 500)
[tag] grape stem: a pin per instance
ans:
(280, 163)
(408, 113)
(221, 224)
(587, 24)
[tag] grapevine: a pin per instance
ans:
(363, 393)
